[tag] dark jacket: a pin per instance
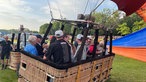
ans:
(40, 50)
(59, 52)
(76, 44)
(6, 46)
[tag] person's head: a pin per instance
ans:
(66, 37)
(21, 28)
(101, 44)
(89, 40)
(52, 39)
(6, 37)
(79, 37)
(39, 38)
(32, 39)
(59, 34)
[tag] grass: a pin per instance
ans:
(124, 70)
(7, 75)
(128, 70)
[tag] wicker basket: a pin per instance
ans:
(34, 70)
(22, 80)
(14, 60)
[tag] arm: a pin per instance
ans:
(12, 46)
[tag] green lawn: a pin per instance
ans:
(128, 70)
(7, 75)
(124, 70)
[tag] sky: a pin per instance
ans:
(34, 13)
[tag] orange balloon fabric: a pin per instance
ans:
(142, 12)
(138, 53)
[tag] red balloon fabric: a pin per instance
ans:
(129, 6)
(142, 12)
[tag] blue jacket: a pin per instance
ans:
(31, 49)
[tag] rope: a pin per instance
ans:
(86, 7)
(50, 9)
(96, 3)
(60, 13)
(97, 6)
(61, 17)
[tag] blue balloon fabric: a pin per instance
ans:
(136, 39)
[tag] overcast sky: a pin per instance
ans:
(33, 13)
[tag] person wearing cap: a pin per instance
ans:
(89, 40)
(59, 51)
(78, 39)
(39, 47)
(30, 48)
(99, 50)
(53, 39)
(84, 53)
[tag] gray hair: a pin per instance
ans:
(5, 36)
(32, 38)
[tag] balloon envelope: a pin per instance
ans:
(129, 6)
(142, 12)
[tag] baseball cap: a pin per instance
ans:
(39, 36)
(79, 36)
(59, 33)
(89, 37)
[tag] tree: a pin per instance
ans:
(13, 31)
(35, 31)
(68, 28)
(55, 26)
(123, 29)
(26, 30)
(129, 20)
(108, 19)
(43, 28)
(138, 25)
(132, 23)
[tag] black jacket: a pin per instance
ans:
(55, 52)
(40, 50)
(6, 46)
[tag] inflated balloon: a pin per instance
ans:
(132, 45)
(142, 12)
(129, 6)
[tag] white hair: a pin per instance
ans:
(5, 36)
(32, 38)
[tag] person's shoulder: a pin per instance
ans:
(9, 41)
(26, 45)
(29, 45)
(56, 44)
(53, 44)
(62, 41)
(37, 45)
(3, 41)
